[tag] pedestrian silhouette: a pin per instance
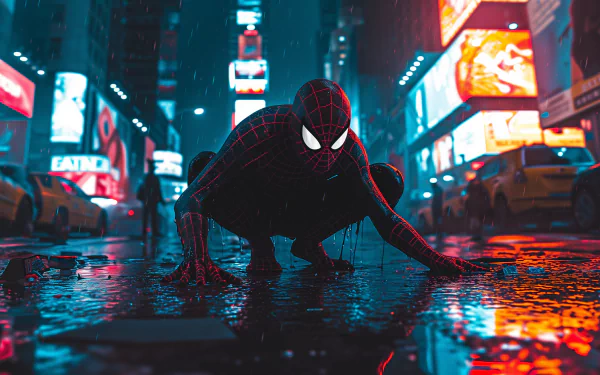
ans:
(150, 194)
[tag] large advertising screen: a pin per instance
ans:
(495, 132)
(92, 173)
(108, 141)
(566, 40)
(16, 91)
(454, 14)
(14, 138)
(480, 63)
(68, 113)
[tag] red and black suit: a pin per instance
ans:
(297, 171)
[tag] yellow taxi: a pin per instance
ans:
(64, 207)
(16, 200)
(534, 180)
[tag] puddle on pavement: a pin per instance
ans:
(373, 321)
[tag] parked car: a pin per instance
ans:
(585, 196)
(534, 180)
(63, 207)
(17, 207)
(453, 211)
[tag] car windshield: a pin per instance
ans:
(535, 156)
(575, 155)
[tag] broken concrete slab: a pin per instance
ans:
(149, 331)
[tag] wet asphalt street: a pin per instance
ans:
(389, 316)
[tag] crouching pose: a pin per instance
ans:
(297, 171)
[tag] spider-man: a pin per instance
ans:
(297, 171)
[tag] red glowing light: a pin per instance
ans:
(6, 349)
(250, 32)
(477, 165)
(130, 212)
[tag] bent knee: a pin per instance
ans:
(186, 203)
(389, 180)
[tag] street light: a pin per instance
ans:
(41, 72)
(199, 111)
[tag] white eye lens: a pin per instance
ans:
(309, 140)
(340, 140)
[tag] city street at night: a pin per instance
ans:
(312, 187)
(389, 315)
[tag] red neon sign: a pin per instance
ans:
(16, 91)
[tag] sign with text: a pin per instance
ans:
(168, 163)
(16, 91)
(566, 41)
(80, 163)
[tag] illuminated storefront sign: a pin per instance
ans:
(249, 17)
(567, 57)
(454, 14)
(16, 91)
(168, 163)
(80, 163)
(68, 113)
(92, 173)
(480, 63)
(495, 132)
(244, 108)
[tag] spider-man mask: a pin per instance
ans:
(321, 119)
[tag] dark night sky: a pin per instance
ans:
(291, 30)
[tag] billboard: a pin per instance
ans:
(480, 63)
(495, 132)
(92, 173)
(249, 16)
(16, 91)
(249, 46)
(168, 163)
(454, 14)
(469, 140)
(14, 141)
(566, 41)
(244, 108)
(108, 141)
(248, 77)
(68, 113)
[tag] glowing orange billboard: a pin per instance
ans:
(496, 63)
(479, 63)
(454, 14)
